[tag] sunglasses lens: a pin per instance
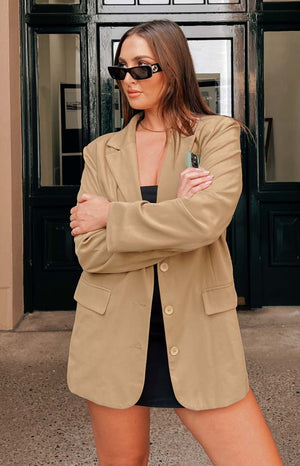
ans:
(141, 72)
(116, 73)
(137, 72)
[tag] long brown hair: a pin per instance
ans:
(182, 102)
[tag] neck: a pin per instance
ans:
(144, 128)
(153, 122)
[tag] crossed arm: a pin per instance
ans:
(105, 241)
(89, 221)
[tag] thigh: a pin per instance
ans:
(235, 435)
(121, 435)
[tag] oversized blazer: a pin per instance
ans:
(186, 237)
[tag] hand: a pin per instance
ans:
(193, 180)
(89, 214)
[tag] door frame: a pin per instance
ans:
(273, 17)
(88, 20)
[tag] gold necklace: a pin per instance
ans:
(153, 130)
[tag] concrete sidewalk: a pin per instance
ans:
(41, 423)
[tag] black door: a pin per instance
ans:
(279, 180)
(56, 128)
(69, 99)
(219, 59)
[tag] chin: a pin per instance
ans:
(136, 107)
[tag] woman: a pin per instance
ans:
(150, 237)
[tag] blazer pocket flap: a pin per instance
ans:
(92, 297)
(220, 299)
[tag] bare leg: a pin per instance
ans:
(121, 435)
(233, 436)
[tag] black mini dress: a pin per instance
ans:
(158, 391)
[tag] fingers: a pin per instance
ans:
(199, 187)
(89, 214)
(199, 181)
(74, 224)
(86, 197)
(78, 228)
(77, 220)
(193, 180)
(76, 231)
(191, 173)
(76, 210)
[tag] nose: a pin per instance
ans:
(128, 78)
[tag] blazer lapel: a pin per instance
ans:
(121, 157)
(173, 165)
(122, 160)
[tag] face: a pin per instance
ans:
(142, 94)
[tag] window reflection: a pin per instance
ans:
(181, 2)
(210, 89)
(118, 2)
(212, 61)
(282, 109)
(57, 2)
(154, 2)
(266, 1)
(223, 1)
(59, 97)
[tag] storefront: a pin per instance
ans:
(245, 60)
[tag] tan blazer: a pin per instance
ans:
(186, 238)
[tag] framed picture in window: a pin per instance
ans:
(71, 162)
(70, 119)
(267, 135)
(209, 85)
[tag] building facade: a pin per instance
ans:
(57, 96)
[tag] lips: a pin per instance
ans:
(133, 93)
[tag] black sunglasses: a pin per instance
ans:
(137, 72)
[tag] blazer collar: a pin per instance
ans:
(121, 157)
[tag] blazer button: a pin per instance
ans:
(174, 351)
(164, 267)
(169, 310)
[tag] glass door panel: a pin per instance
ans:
(154, 2)
(219, 60)
(57, 2)
(212, 49)
(212, 61)
(182, 2)
(59, 109)
(282, 106)
(118, 2)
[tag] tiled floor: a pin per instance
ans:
(42, 423)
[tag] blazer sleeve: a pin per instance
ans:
(184, 224)
(91, 248)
